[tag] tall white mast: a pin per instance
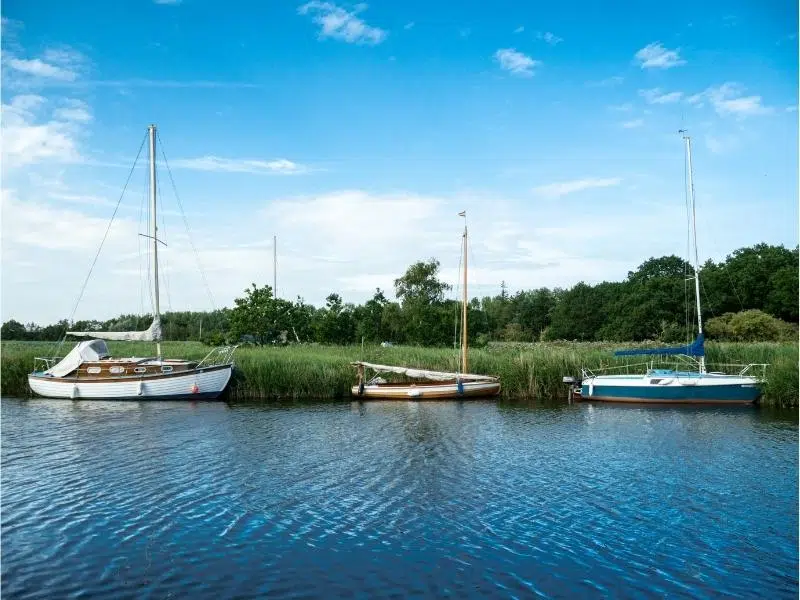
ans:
(464, 366)
(157, 317)
(690, 183)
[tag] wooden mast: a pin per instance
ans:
(464, 365)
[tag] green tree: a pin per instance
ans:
(425, 314)
(261, 315)
(13, 330)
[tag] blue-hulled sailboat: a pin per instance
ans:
(669, 386)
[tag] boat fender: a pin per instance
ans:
(360, 388)
(140, 389)
(460, 388)
(74, 393)
(591, 388)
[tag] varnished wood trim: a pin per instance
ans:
(132, 377)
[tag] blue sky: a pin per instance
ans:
(356, 133)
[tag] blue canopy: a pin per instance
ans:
(696, 348)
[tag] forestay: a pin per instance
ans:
(151, 334)
(424, 374)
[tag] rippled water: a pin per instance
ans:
(113, 500)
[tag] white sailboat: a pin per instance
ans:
(436, 385)
(672, 386)
(89, 371)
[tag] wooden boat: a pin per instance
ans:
(676, 386)
(89, 371)
(436, 385)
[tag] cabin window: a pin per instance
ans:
(93, 370)
(117, 370)
(166, 368)
(140, 370)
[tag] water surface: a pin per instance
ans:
(365, 500)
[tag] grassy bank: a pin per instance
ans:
(527, 371)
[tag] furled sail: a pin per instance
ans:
(151, 334)
(423, 374)
(696, 348)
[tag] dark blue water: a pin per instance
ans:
(113, 500)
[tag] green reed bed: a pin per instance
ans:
(527, 371)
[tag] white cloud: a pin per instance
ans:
(340, 24)
(409, 25)
(39, 68)
(548, 37)
(61, 64)
(655, 56)
(519, 29)
(29, 138)
(728, 100)
(633, 123)
(168, 2)
(515, 62)
(74, 110)
(279, 166)
(626, 107)
(557, 190)
(657, 96)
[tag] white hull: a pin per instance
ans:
(202, 383)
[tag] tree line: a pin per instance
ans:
(752, 294)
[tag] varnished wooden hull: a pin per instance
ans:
(427, 391)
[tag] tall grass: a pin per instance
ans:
(527, 371)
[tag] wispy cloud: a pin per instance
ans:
(340, 24)
(76, 111)
(557, 190)
(168, 2)
(549, 37)
(658, 96)
(632, 124)
(519, 29)
(655, 56)
(409, 25)
(515, 62)
(279, 166)
(728, 100)
(61, 64)
(607, 82)
(30, 136)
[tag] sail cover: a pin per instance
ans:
(83, 352)
(696, 348)
(423, 374)
(151, 334)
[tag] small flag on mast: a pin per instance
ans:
(463, 213)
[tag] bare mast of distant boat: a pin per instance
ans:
(690, 183)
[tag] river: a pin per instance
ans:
(403, 499)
